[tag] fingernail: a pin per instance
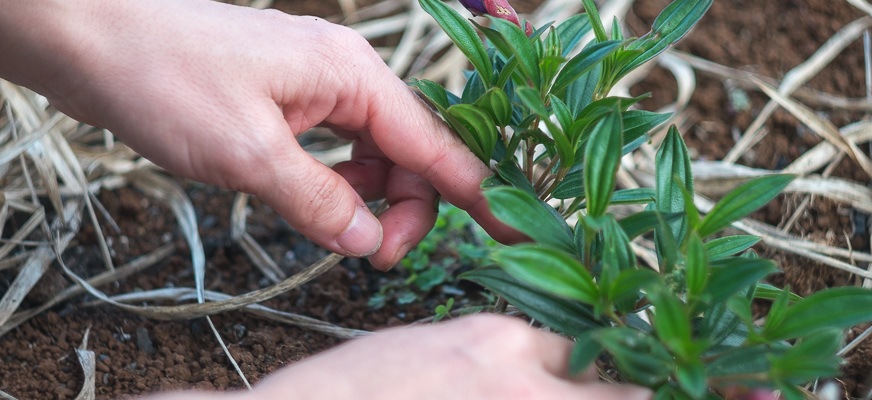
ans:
(363, 235)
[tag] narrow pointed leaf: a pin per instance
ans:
(840, 307)
(742, 201)
(549, 269)
(671, 324)
(731, 275)
(692, 379)
(673, 23)
(530, 216)
(645, 221)
(697, 269)
(479, 124)
(433, 91)
(595, 21)
(519, 46)
(462, 34)
(496, 103)
(601, 157)
(563, 315)
(572, 31)
(509, 171)
(729, 245)
(582, 63)
(673, 172)
(585, 351)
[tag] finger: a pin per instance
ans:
(368, 176)
(316, 200)
(409, 218)
(373, 99)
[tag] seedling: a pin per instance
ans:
(537, 107)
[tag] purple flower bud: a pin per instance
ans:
(498, 9)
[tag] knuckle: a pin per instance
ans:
(323, 203)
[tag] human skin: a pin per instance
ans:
(480, 357)
(218, 93)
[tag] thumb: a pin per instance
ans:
(319, 203)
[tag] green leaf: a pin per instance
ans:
(742, 201)
(665, 244)
(496, 103)
(811, 358)
(572, 184)
(671, 323)
(624, 291)
(595, 21)
(645, 221)
(561, 111)
(671, 25)
(633, 196)
(572, 31)
(549, 269)
(530, 216)
(640, 357)
(637, 123)
(509, 171)
(462, 34)
(841, 307)
(696, 268)
(673, 172)
(530, 98)
(617, 249)
(766, 291)
(563, 315)
(601, 158)
(478, 126)
(723, 328)
(473, 89)
(691, 378)
(729, 245)
(580, 93)
(582, 63)
(585, 351)
(519, 46)
(778, 310)
(732, 275)
(746, 360)
(433, 91)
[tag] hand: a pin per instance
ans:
(217, 93)
(479, 357)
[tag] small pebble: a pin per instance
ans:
(143, 340)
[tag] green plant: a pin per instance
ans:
(454, 242)
(443, 310)
(538, 109)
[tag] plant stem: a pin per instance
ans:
(528, 159)
(500, 305)
(545, 174)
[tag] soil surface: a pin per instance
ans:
(136, 355)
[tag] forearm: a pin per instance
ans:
(42, 42)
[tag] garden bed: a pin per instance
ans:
(136, 354)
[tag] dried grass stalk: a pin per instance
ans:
(797, 77)
(137, 265)
(820, 126)
(88, 361)
(36, 265)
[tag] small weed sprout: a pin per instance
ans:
(454, 244)
(537, 107)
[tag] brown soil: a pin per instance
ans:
(137, 355)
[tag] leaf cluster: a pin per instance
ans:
(538, 110)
